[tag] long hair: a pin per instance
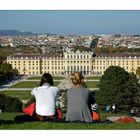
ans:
(46, 78)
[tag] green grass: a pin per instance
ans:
(30, 84)
(22, 95)
(93, 78)
(92, 84)
(38, 78)
(7, 123)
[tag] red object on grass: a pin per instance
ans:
(29, 110)
(126, 120)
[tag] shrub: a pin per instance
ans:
(10, 104)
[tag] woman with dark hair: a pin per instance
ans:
(45, 96)
(45, 101)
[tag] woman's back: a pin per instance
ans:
(45, 99)
(77, 105)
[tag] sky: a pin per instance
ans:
(65, 22)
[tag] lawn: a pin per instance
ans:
(38, 78)
(30, 84)
(92, 84)
(22, 95)
(93, 78)
(6, 122)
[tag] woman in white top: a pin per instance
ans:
(45, 96)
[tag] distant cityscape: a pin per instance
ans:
(34, 54)
(14, 38)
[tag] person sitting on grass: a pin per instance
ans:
(45, 101)
(79, 101)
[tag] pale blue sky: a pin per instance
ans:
(72, 22)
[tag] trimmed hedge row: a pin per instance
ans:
(10, 104)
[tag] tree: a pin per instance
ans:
(119, 87)
(138, 71)
(6, 71)
(94, 42)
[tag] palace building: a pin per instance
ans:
(68, 62)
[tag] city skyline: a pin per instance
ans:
(72, 22)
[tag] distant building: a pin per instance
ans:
(69, 61)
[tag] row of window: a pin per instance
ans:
(36, 73)
(103, 68)
(77, 61)
(77, 68)
(77, 56)
(119, 62)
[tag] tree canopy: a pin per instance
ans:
(7, 72)
(119, 87)
(138, 71)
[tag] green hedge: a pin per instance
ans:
(10, 104)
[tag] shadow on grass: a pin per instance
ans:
(7, 122)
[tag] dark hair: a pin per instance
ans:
(46, 78)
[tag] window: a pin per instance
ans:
(97, 62)
(68, 56)
(100, 62)
(108, 62)
(126, 62)
(137, 62)
(84, 68)
(78, 68)
(119, 63)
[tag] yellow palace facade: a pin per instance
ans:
(68, 62)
